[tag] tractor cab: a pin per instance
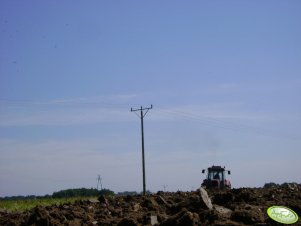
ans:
(216, 177)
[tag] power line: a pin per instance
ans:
(209, 121)
(142, 115)
(61, 102)
(223, 124)
(168, 114)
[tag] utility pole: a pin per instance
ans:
(142, 115)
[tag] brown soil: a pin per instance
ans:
(244, 206)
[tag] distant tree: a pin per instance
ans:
(106, 192)
(76, 192)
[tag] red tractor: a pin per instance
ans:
(216, 178)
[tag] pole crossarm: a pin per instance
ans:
(142, 115)
(142, 109)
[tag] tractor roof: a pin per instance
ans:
(216, 168)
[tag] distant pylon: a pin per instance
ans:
(99, 182)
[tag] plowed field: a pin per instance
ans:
(244, 206)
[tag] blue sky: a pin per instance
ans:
(223, 76)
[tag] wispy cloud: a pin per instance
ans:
(63, 117)
(75, 111)
(114, 100)
(96, 110)
(81, 112)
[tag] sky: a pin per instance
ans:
(224, 79)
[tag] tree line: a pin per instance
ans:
(81, 192)
(68, 193)
(75, 192)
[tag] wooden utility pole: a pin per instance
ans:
(142, 115)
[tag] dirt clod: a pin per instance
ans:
(244, 206)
